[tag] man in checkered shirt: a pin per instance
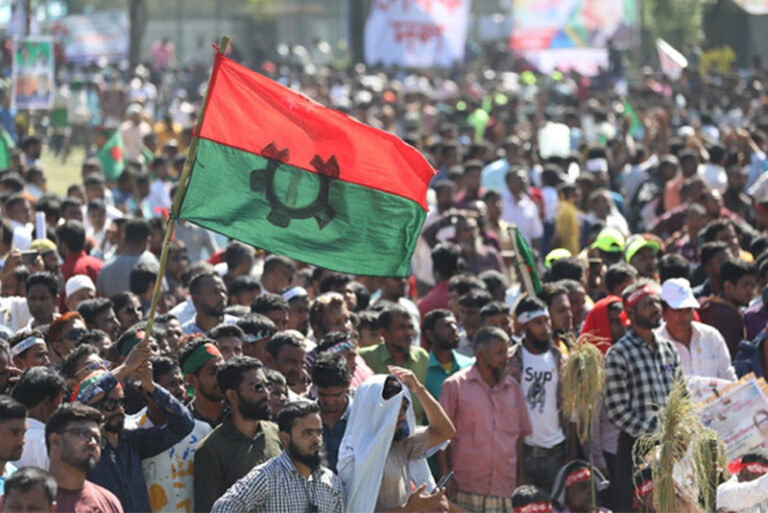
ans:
(641, 369)
(295, 481)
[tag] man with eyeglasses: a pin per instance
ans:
(243, 440)
(120, 467)
(40, 390)
(295, 481)
(73, 442)
(64, 334)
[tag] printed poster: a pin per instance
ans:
(32, 75)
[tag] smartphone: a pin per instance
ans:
(443, 481)
(28, 257)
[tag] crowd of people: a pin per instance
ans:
(268, 384)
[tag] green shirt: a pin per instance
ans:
(378, 358)
(226, 455)
(436, 373)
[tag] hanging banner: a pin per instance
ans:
(32, 76)
(416, 33)
(672, 62)
(91, 37)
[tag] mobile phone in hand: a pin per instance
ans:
(443, 481)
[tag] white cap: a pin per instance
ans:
(677, 293)
(78, 282)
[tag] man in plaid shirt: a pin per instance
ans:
(641, 369)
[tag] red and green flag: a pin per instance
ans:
(528, 269)
(111, 156)
(279, 171)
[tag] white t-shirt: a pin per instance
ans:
(539, 382)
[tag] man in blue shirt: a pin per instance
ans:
(441, 331)
(331, 377)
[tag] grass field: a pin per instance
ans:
(59, 175)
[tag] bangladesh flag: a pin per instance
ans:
(636, 127)
(527, 261)
(111, 156)
(281, 172)
(6, 145)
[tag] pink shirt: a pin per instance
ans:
(489, 422)
(362, 372)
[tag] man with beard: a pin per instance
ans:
(487, 461)
(383, 451)
(209, 295)
(13, 426)
(560, 314)
(536, 364)
(283, 483)
(641, 369)
(441, 332)
(244, 439)
(200, 362)
(286, 354)
(73, 440)
(119, 469)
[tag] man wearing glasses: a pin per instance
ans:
(73, 441)
(244, 439)
(295, 481)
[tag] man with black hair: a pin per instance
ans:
(673, 266)
(445, 264)
(244, 439)
(209, 296)
(258, 329)
(200, 361)
(73, 441)
(569, 268)
(82, 361)
(395, 290)
(13, 425)
(283, 484)
(327, 313)
(441, 332)
(470, 305)
(488, 462)
(641, 369)
(239, 260)
(536, 364)
(738, 280)
(397, 329)
(142, 283)
(28, 349)
(40, 390)
(274, 307)
(298, 313)
(713, 254)
(747, 488)
(19, 211)
(496, 283)
(42, 289)
(341, 283)
(29, 489)
(99, 314)
(229, 340)
(278, 395)
(286, 353)
(277, 275)
(331, 379)
(115, 275)
(128, 306)
(560, 314)
(243, 290)
(618, 277)
(577, 297)
(71, 244)
(497, 314)
(529, 495)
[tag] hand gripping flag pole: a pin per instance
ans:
(183, 182)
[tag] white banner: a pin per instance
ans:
(416, 33)
(672, 62)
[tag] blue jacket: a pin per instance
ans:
(119, 469)
(750, 356)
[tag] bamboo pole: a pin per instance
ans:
(171, 223)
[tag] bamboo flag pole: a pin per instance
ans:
(171, 223)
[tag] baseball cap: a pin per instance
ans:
(556, 254)
(609, 240)
(638, 244)
(677, 293)
(78, 282)
(43, 245)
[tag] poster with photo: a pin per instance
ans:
(33, 73)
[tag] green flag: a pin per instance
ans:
(636, 124)
(111, 157)
(527, 261)
(6, 145)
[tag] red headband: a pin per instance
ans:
(534, 507)
(645, 290)
(644, 489)
(755, 467)
(577, 476)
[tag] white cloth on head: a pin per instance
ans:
(366, 443)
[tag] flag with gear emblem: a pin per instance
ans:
(279, 171)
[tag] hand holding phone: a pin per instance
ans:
(443, 481)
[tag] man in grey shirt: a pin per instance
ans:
(115, 275)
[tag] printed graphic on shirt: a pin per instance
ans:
(537, 390)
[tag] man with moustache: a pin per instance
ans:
(119, 469)
(641, 370)
(13, 425)
(244, 439)
(487, 461)
(441, 332)
(200, 361)
(536, 363)
(73, 441)
(294, 481)
(209, 295)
